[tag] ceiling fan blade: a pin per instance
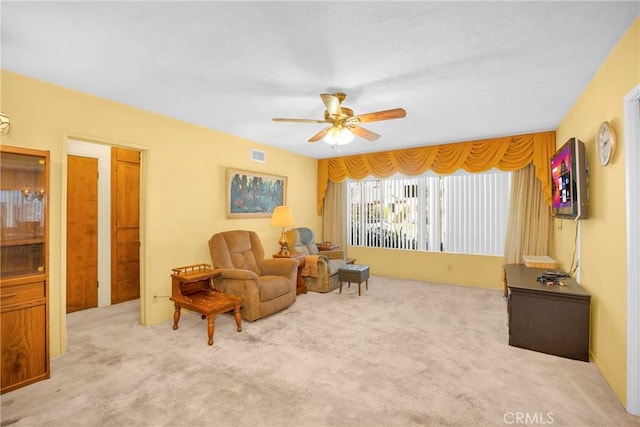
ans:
(318, 136)
(363, 133)
(396, 113)
(281, 119)
(332, 103)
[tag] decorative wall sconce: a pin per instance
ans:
(31, 195)
(4, 123)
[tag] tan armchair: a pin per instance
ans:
(324, 276)
(265, 285)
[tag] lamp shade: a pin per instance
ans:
(282, 217)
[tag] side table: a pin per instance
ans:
(191, 288)
(301, 287)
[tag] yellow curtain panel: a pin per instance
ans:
(507, 153)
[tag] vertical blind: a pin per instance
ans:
(475, 209)
(465, 213)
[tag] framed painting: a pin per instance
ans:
(254, 194)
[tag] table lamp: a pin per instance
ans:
(282, 217)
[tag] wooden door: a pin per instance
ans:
(82, 233)
(125, 225)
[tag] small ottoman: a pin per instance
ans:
(352, 273)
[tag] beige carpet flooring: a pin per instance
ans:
(405, 353)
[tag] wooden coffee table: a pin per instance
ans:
(191, 288)
(354, 273)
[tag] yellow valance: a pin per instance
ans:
(507, 153)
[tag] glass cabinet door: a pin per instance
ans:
(23, 198)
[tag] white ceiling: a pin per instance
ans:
(461, 70)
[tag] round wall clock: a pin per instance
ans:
(605, 143)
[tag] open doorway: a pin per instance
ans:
(102, 153)
(632, 155)
(113, 269)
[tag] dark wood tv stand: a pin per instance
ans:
(551, 319)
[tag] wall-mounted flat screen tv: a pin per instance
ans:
(569, 186)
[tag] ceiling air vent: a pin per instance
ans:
(258, 156)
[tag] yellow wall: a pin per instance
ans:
(603, 235)
(459, 269)
(183, 176)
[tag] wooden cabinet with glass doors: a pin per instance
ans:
(24, 291)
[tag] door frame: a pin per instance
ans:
(83, 138)
(632, 178)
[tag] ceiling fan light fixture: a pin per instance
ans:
(344, 126)
(338, 136)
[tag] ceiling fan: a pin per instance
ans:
(344, 125)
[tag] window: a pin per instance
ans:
(464, 213)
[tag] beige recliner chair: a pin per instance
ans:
(321, 267)
(265, 285)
